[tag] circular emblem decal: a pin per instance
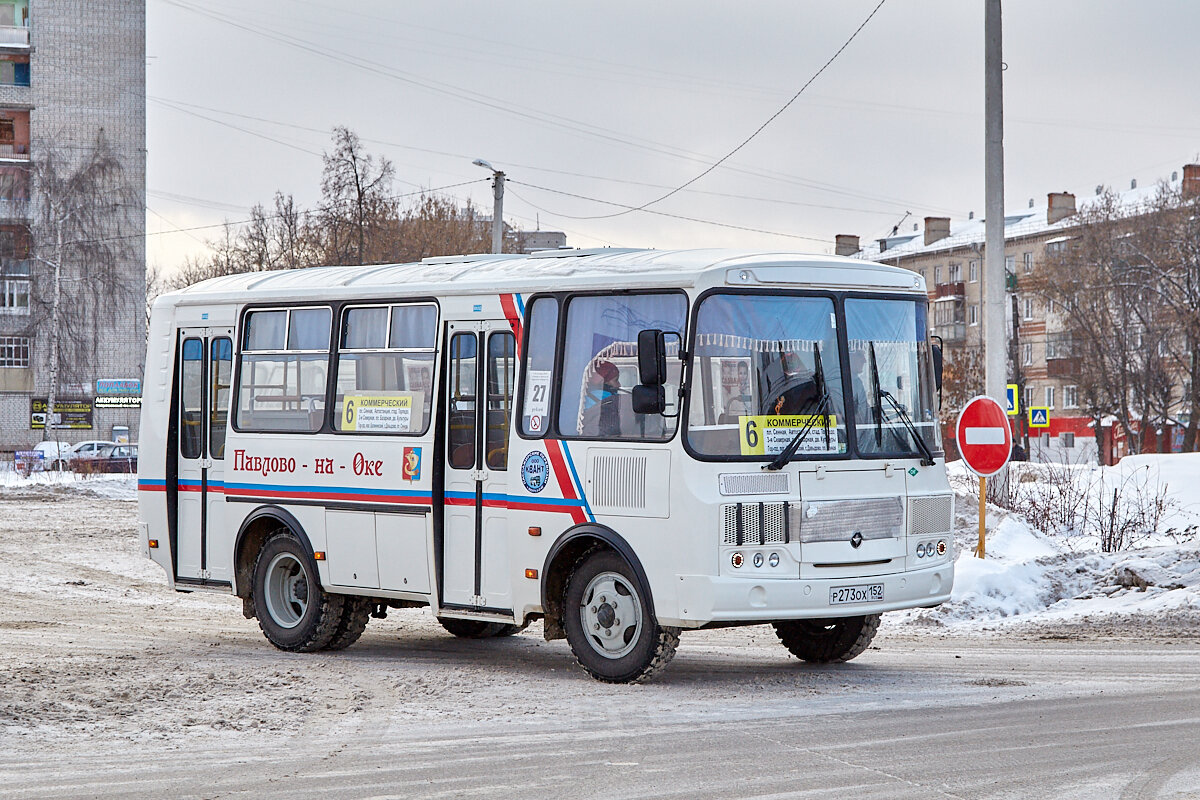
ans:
(535, 471)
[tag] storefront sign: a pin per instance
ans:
(68, 414)
(125, 386)
(118, 401)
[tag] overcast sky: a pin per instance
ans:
(623, 101)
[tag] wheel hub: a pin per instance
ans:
(606, 615)
(611, 613)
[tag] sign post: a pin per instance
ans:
(985, 442)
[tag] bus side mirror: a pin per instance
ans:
(649, 399)
(937, 367)
(652, 357)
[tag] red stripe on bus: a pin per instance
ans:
(563, 476)
(514, 319)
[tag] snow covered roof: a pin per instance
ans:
(558, 269)
(1021, 223)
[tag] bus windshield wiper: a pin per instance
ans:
(785, 455)
(926, 453)
(877, 411)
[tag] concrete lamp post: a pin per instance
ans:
(497, 205)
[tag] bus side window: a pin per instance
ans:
(461, 388)
(284, 369)
(501, 368)
(191, 397)
(539, 367)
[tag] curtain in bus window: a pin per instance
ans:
(221, 372)
(191, 398)
(600, 364)
(501, 366)
(539, 366)
(382, 389)
(265, 330)
(309, 329)
(461, 388)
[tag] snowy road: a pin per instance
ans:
(114, 687)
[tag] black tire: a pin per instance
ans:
(356, 613)
(824, 641)
(294, 612)
(477, 629)
(614, 650)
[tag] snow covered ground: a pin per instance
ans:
(1060, 577)
(113, 487)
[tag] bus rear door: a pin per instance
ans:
(204, 375)
(478, 399)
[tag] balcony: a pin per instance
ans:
(951, 332)
(14, 36)
(15, 210)
(10, 151)
(1061, 367)
(951, 289)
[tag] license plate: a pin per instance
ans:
(869, 593)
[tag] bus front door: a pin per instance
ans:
(205, 370)
(481, 361)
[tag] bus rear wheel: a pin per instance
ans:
(294, 612)
(476, 629)
(824, 641)
(356, 613)
(608, 622)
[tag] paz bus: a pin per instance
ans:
(623, 444)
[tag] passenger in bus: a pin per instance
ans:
(860, 379)
(601, 402)
(799, 387)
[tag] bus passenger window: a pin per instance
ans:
(284, 370)
(539, 367)
(501, 368)
(220, 377)
(461, 388)
(600, 365)
(385, 369)
(191, 397)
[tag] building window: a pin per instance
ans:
(974, 271)
(974, 316)
(1010, 265)
(14, 296)
(1028, 395)
(937, 276)
(1049, 397)
(1044, 440)
(1028, 263)
(956, 273)
(14, 351)
(1027, 354)
(1066, 439)
(1070, 397)
(1028, 303)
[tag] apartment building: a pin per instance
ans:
(950, 254)
(71, 71)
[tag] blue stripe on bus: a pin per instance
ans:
(582, 495)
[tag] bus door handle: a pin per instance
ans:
(206, 463)
(480, 475)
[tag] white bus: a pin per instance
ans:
(624, 444)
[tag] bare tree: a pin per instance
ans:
(356, 205)
(82, 234)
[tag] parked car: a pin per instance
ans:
(54, 455)
(111, 458)
(87, 450)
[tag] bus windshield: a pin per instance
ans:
(891, 376)
(766, 370)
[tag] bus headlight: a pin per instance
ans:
(758, 559)
(773, 560)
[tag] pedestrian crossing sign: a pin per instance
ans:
(1012, 409)
(1039, 417)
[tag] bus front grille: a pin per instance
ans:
(932, 514)
(756, 523)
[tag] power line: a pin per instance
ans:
(763, 126)
(510, 181)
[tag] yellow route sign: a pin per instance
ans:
(768, 435)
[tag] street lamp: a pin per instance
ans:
(497, 205)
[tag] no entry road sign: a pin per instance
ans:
(983, 436)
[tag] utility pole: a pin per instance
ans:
(995, 371)
(497, 205)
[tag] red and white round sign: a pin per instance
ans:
(983, 436)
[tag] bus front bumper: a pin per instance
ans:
(704, 598)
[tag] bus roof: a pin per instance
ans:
(557, 270)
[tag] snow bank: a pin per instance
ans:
(113, 487)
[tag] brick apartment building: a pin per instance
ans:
(950, 256)
(69, 70)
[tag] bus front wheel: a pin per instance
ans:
(293, 611)
(608, 622)
(823, 641)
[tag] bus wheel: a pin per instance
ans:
(293, 611)
(356, 613)
(476, 629)
(608, 621)
(822, 641)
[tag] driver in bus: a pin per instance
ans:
(799, 386)
(601, 402)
